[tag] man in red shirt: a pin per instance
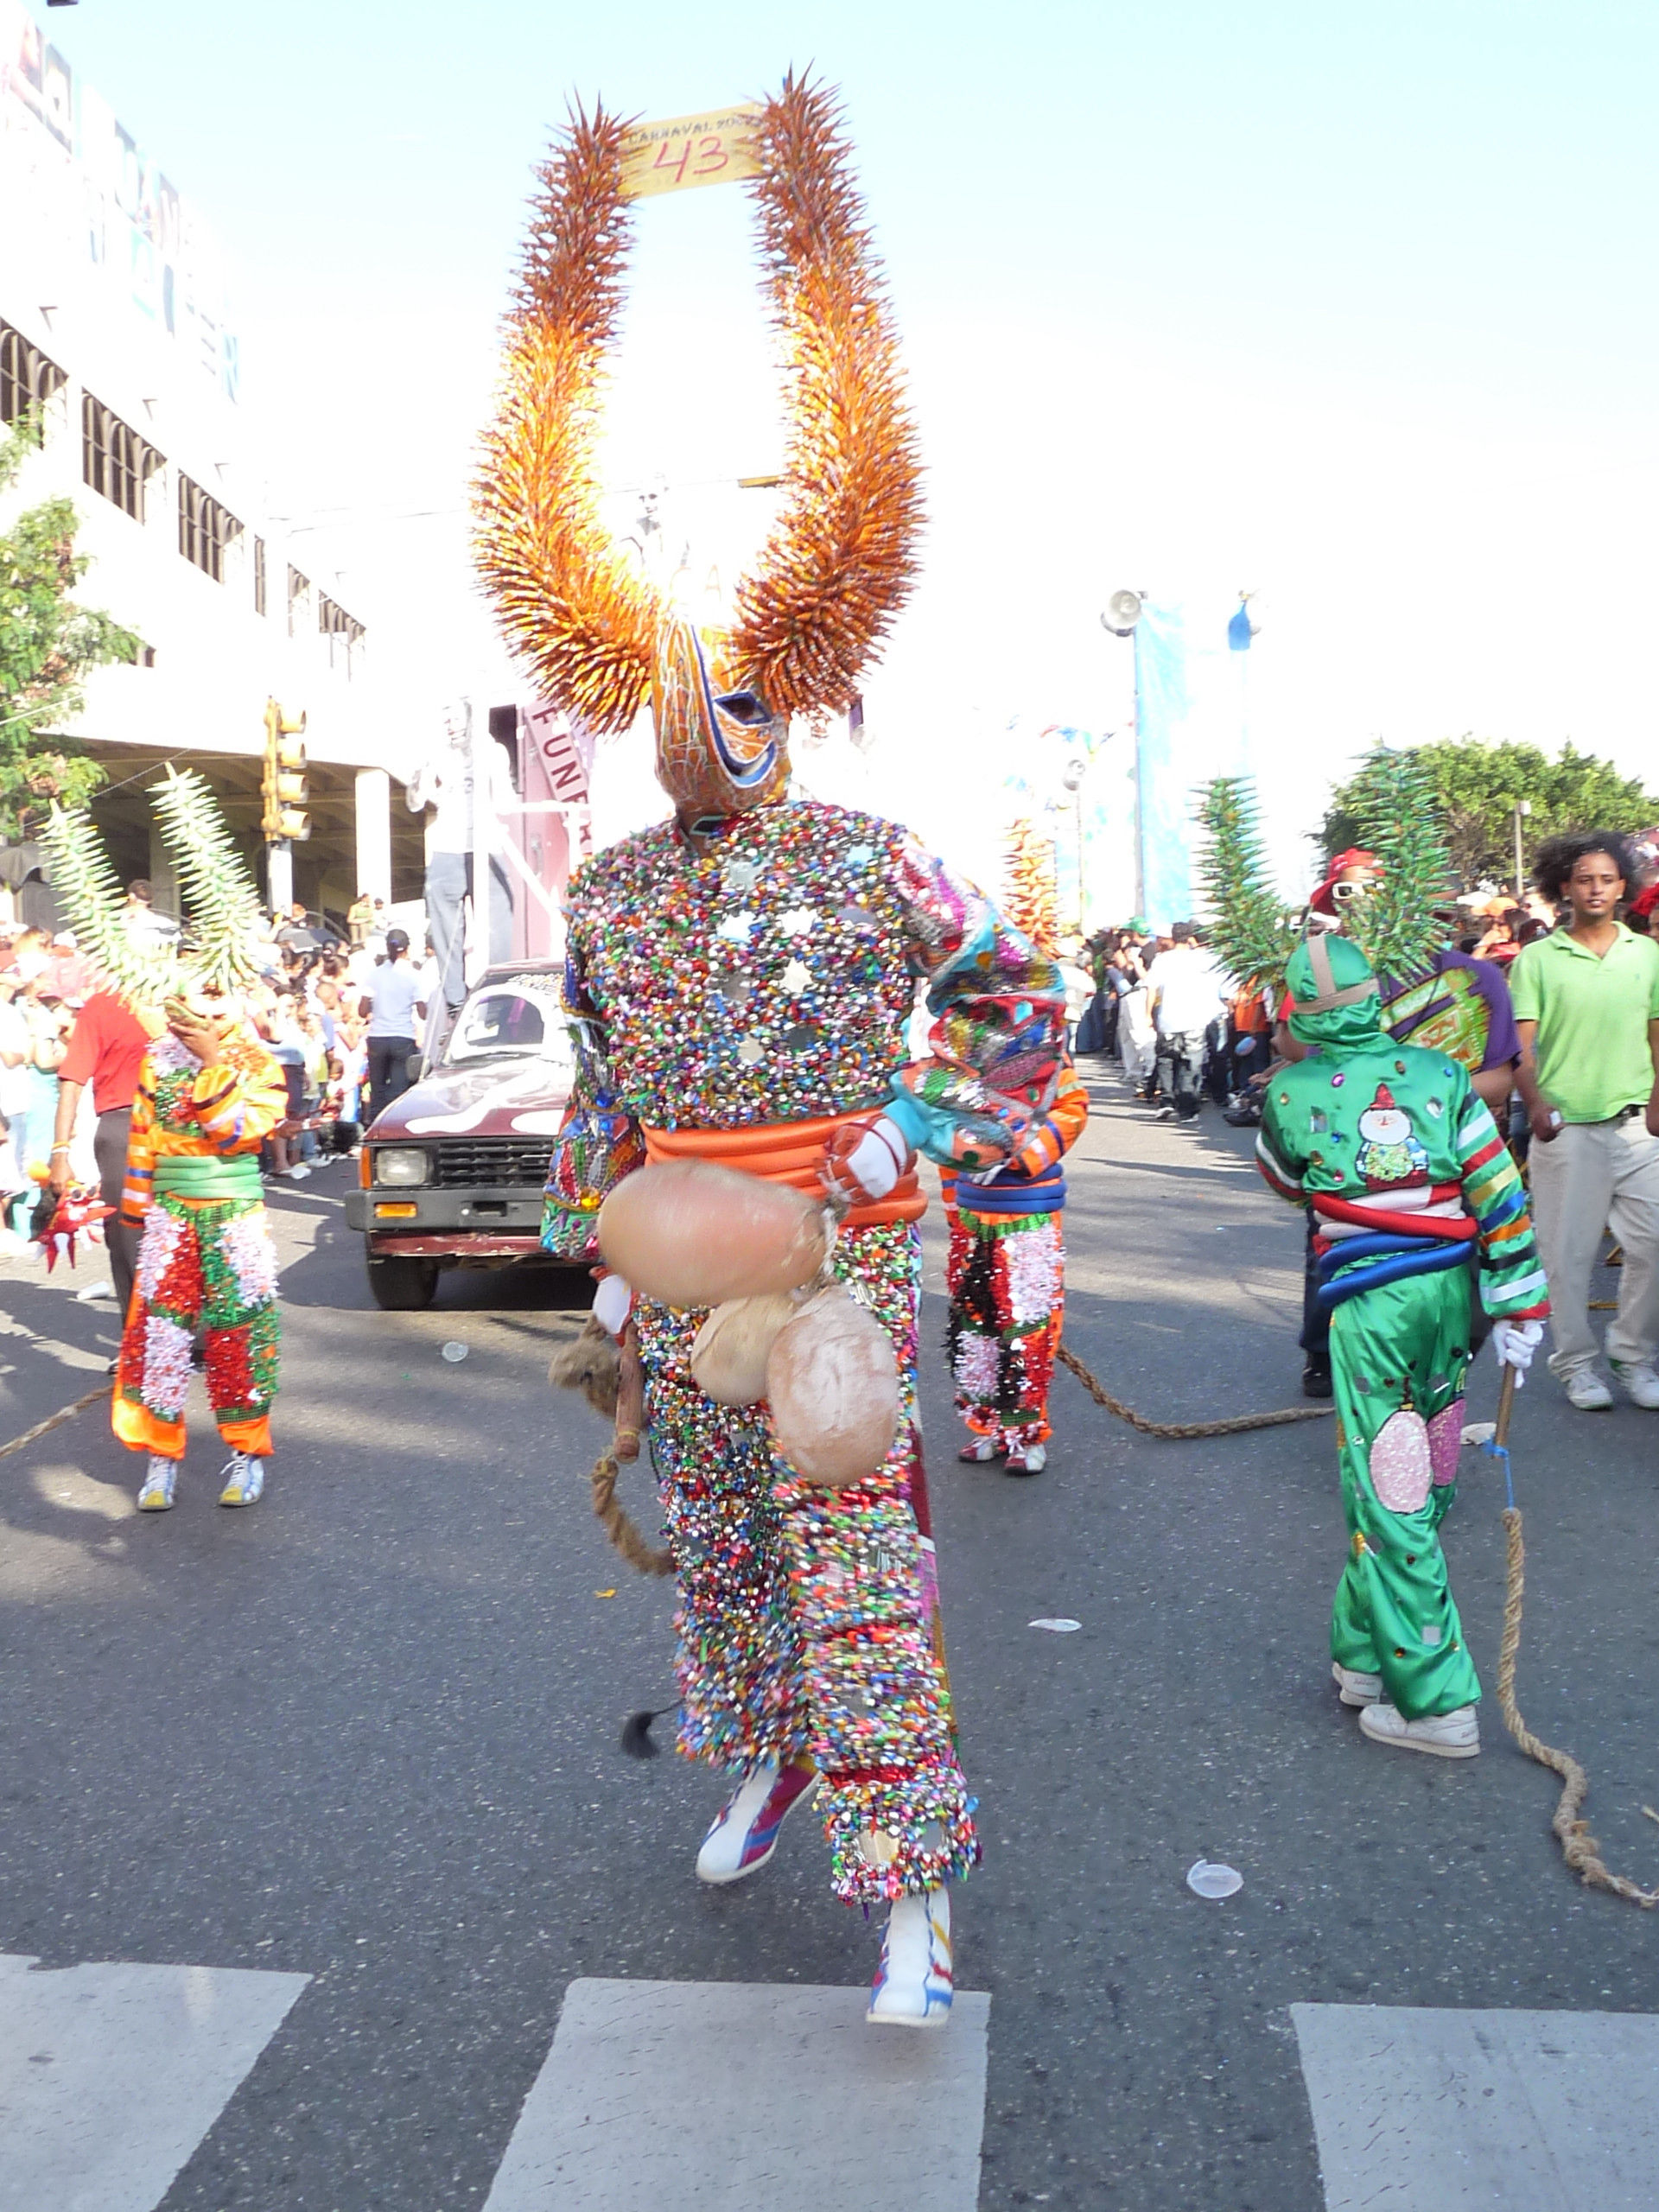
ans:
(105, 1046)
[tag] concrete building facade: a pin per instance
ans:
(113, 324)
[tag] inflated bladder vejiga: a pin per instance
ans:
(688, 1233)
(833, 1384)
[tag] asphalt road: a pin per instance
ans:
(367, 1731)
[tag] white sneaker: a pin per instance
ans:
(745, 1835)
(1354, 1688)
(161, 1480)
(1031, 1461)
(1446, 1735)
(1638, 1381)
(981, 1452)
(1585, 1389)
(913, 1986)
(244, 1478)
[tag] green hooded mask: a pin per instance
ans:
(1335, 1002)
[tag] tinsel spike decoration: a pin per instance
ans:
(219, 894)
(841, 561)
(1245, 920)
(1399, 819)
(1032, 904)
(568, 599)
(221, 904)
(91, 901)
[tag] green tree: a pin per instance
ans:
(1476, 784)
(46, 644)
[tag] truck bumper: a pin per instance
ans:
(448, 1224)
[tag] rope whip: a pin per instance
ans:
(1579, 1846)
(1236, 1426)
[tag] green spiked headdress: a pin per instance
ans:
(1394, 925)
(221, 901)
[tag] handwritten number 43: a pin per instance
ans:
(710, 152)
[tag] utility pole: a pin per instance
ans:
(1522, 808)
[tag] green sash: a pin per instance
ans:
(193, 1177)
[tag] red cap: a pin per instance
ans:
(1322, 902)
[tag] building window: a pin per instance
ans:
(205, 529)
(259, 576)
(114, 460)
(26, 378)
(299, 598)
(343, 633)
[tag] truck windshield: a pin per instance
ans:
(509, 1020)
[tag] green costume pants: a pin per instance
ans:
(1397, 1358)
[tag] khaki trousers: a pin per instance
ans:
(1598, 1175)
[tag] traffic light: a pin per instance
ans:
(284, 785)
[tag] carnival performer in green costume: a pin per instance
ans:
(1409, 1181)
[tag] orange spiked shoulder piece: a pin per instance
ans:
(840, 561)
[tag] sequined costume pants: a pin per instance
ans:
(1005, 1274)
(808, 1618)
(1397, 1359)
(205, 1265)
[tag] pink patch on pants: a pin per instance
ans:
(1400, 1463)
(1446, 1441)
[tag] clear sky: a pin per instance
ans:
(1350, 306)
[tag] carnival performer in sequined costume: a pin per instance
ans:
(208, 1094)
(741, 978)
(1409, 1182)
(1006, 1275)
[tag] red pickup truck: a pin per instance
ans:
(451, 1173)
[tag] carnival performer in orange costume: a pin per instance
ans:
(741, 978)
(208, 1093)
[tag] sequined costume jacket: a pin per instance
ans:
(770, 976)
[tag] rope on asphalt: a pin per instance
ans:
(1236, 1426)
(63, 1414)
(620, 1525)
(1579, 1846)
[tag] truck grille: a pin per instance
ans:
(520, 1163)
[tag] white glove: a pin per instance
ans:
(869, 1169)
(1515, 1342)
(612, 1303)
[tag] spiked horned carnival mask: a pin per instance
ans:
(840, 562)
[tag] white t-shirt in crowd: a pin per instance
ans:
(393, 990)
(1188, 986)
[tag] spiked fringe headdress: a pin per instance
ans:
(221, 901)
(840, 562)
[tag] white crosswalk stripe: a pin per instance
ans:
(1450, 2111)
(678, 2094)
(111, 2074)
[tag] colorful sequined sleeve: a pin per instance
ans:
(999, 1028)
(139, 1185)
(237, 1101)
(597, 1143)
(1057, 1131)
(1512, 1284)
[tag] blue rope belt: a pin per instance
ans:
(1361, 1263)
(1020, 1194)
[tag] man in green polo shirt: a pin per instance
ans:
(1586, 1006)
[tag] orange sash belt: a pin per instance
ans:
(786, 1152)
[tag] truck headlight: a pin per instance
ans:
(402, 1165)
